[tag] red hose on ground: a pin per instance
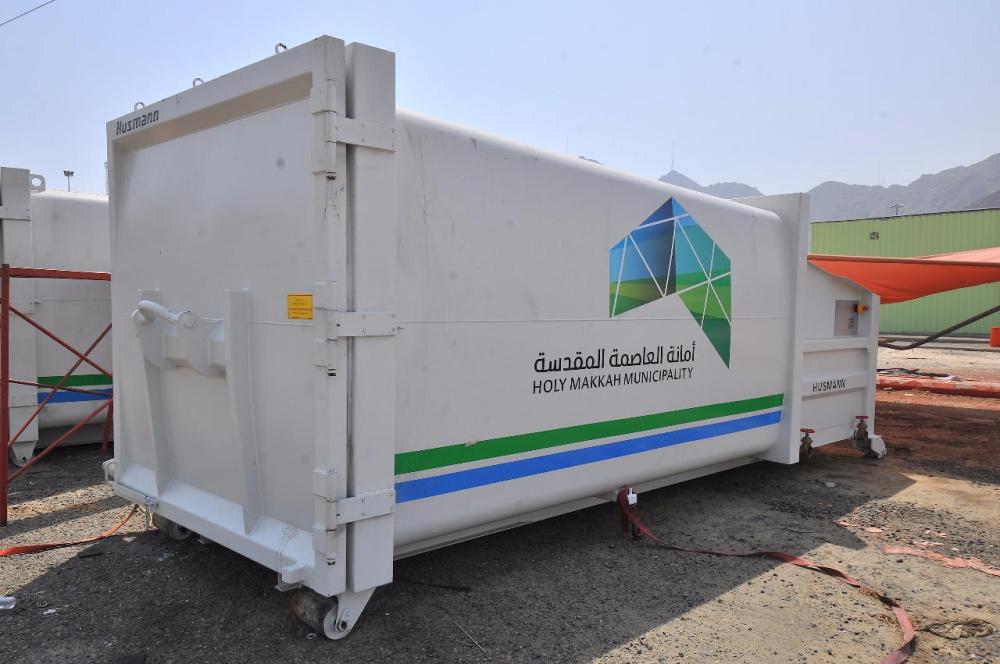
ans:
(897, 656)
(965, 388)
(38, 548)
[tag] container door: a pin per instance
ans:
(242, 250)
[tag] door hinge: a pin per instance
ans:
(363, 324)
(332, 512)
(342, 511)
(366, 506)
(15, 213)
(363, 133)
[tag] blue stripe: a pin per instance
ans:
(66, 397)
(502, 472)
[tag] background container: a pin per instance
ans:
(66, 231)
(921, 235)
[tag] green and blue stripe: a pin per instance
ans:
(91, 382)
(435, 485)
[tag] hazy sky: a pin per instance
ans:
(780, 95)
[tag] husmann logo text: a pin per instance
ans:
(830, 385)
(125, 126)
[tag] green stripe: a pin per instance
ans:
(449, 455)
(76, 380)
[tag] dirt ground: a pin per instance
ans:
(570, 589)
(967, 361)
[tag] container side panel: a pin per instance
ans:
(70, 232)
(505, 257)
(17, 248)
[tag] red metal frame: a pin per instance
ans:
(6, 440)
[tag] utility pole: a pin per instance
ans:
(68, 174)
(897, 207)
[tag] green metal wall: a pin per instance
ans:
(921, 235)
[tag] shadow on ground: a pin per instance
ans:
(571, 588)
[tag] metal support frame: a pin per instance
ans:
(6, 310)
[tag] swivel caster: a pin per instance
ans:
(172, 530)
(873, 447)
(860, 437)
(876, 448)
(334, 617)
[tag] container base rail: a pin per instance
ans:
(8, 440)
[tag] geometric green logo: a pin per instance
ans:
(667, 254)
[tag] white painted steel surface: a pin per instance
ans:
(448, 270)
(65, 231)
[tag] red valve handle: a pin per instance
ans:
(861, 417)
(804, 430)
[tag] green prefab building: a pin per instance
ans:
(921, 235)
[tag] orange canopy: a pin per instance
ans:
(902, 279)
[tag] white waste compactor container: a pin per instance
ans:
(64, 231)
(347, 333)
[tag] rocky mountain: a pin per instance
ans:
(720, 189)
(991, 201)
(964, 187)
(953, 189)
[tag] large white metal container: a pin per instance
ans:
(347, 333)
(64, 231)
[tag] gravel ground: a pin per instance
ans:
(570, 589)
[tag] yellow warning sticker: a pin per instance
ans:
(300, 306)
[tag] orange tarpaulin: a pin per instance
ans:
(902, 279)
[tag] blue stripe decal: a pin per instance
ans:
(502, 472)
(66, 397)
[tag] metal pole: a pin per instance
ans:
(4, 385)
(59, 441)
(916, 344)
(59, 341)
(49, 273)
(58, 386)
(6, 273)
